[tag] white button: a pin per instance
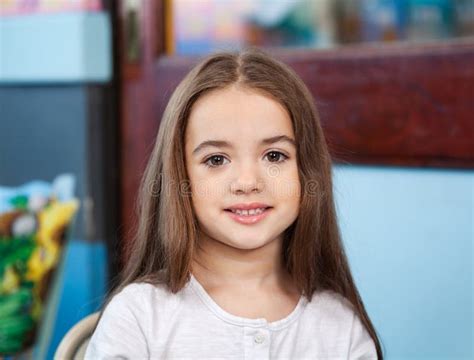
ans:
(259, 338)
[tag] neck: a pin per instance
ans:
(216, 264)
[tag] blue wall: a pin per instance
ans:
(408, 235)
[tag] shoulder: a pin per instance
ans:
(142, 292)
(144, 298)
(337, 316)
(333, 306)
(126, 326)
(334, 312)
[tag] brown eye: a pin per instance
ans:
(275, 156)
(214, 161)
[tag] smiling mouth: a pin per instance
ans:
(248, 213)
(249, 217)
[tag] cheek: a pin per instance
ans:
(287, 185)
(206, 193)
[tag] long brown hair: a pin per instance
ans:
(167, 230)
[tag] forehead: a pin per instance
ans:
(237, 114)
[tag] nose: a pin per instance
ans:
(247, 179)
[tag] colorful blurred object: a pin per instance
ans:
(34, 220)
(202, 26)
(206, 25)
(18, 7)
(428, 19)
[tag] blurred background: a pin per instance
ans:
(83, 84)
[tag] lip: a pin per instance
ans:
(254, 205)
(249, 220)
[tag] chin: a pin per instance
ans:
(248, 244)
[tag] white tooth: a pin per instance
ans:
(249, 212)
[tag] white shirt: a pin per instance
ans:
(145, 321)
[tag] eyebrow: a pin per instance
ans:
(225, 144)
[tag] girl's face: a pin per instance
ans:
(245, 170)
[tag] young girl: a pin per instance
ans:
(238, 253)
